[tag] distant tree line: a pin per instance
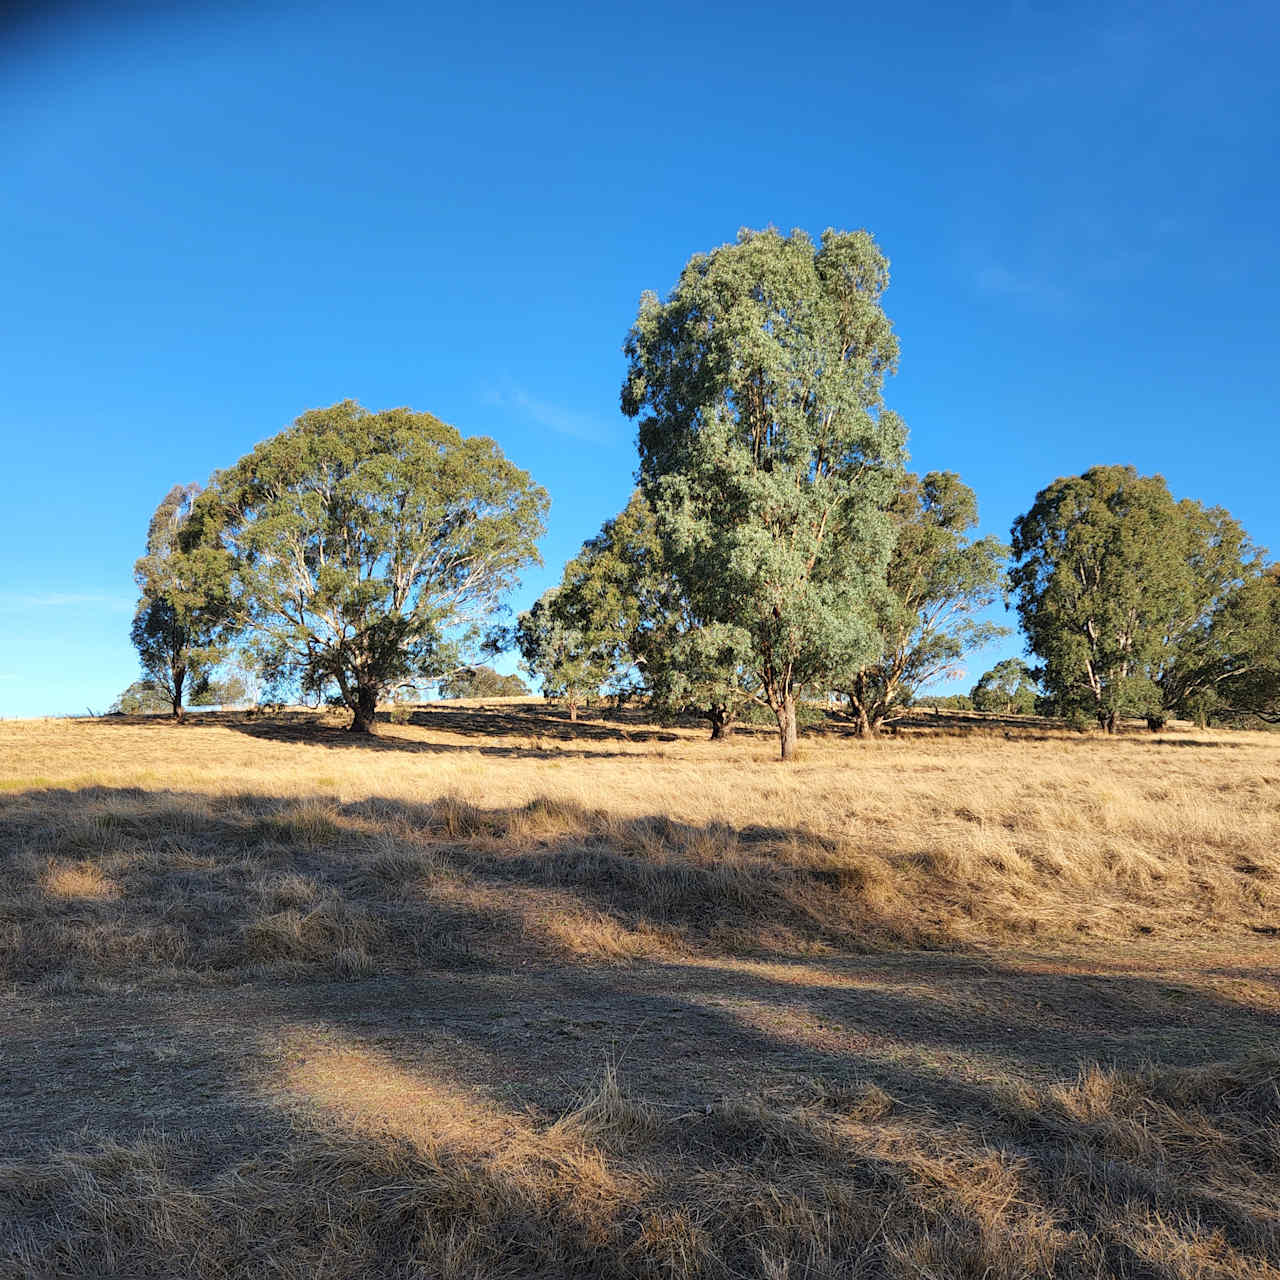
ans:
(776, 547)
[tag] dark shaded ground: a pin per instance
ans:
(923, 1024)
(628, 724)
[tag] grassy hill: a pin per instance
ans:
(497, 995)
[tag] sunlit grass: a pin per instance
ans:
(251, 860)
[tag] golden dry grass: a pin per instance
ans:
(950, 1004)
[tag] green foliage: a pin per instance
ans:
(559, 651)
(681, 665)
(481, 682)
(948, 702)
(230, 690)
(364, 543)
(142, 697)
(1229, 667)
(1113, 578)
(578, 638)
(1009, 688)
(146, 697)
(618, 624)
(766, 455)
(183, 619)
(938, 579)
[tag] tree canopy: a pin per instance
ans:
(619, 624)
(1009, 688)
(766, 454)
(1229, 666)
(142, 697)
(939, 578)
(560, 650)
(481, 682)
(1112, 578)
(183, 618)
(365, 544)
(582, 637)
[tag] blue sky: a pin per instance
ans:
(212, 222)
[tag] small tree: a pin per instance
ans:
(619, 624)
(362, 542)
(229, 690)
(183, 617)
(1009, 688)
(640, 616)
(560, 652)
(1112, 576)
(938, 579)
(481, 682)
(766, 455)
(140, 698)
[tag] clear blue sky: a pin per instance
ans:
(213, 222)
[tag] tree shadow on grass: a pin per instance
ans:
(543, 732)
(410, 1118)
(397, 988)
(120, 884)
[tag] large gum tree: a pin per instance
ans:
(766, 454)
(1114, 578)
(364, 544)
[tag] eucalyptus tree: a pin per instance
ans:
(1113, 579)
(364, 544)
(560, 650)
(681, 665)
(766, 453)
(1009, 687)
(481, 682)
(579, 639)
(182, 621)
(939, 580)
(1230, 665)
(142, 697)
(618, 624)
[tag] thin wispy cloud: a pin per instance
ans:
(66, 600)
(997, 280)
(554, 417)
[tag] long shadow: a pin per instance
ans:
(688, 1054)
(547, 731)
(948, 1035)
(523, 1040)
(197, 887)
(549, 723)
(326, 736)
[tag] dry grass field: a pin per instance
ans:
(496, 996)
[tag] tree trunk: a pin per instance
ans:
(364, 710)
(867, 721)
(179, 679)
(721, 724)
(786, 713)
(573, 713)
(1107, 719)
(860, 725)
